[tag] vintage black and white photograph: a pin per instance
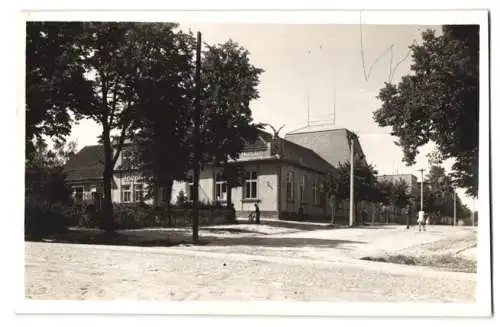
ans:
(294, 162)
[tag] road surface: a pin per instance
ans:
(90, 272)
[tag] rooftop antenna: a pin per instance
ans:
(308, 121)
(334, 104)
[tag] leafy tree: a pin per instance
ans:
(45, 180)
(385, 189)
(337, 183)
(438, 194)
(400, 197)
(113, 55)
(229, 83)
(165, 104)
(439, 101)
(55, 83)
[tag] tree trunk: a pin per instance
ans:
(109, 226)
(408, 215)
(229, 193)
(168, 190)
(333, 212)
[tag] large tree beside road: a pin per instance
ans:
(438, 101)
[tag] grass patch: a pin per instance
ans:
(444, 262)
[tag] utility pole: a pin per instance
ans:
(308, 118)
(454, 208)
(196, 139)
(334, 105)
(351, 203)
(421, 212)
(421, 189)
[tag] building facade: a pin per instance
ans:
(281, 175)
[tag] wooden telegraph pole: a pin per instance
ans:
(454, 208)
(196, 140)
(351, 191)
(421, 189)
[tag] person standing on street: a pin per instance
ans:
(257, 213)
(421, 221)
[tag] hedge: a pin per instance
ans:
(127, 216)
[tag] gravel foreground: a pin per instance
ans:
(78, 272)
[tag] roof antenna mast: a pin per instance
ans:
(308, 121)
(334, 105)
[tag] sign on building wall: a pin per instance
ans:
(132, 179)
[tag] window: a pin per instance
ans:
(251, 185)
(138, 193)
(302, 188)
(289, 185)
(78, 193)
(316, 193)
(220, 188)
(126, 194)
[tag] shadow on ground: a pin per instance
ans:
(276, 242)
(303, 226)
(166, 238)
(96, 237)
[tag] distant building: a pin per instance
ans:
(409, 179)
(282, 175)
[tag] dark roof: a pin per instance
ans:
(332, 144)
(259, 144)
(304, 157)
(86, 164)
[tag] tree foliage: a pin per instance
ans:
(229, 83)
(400, 195)
(439, 101)
(337, 183)
(165, 103)
(438, 194)
(55, 85)
(44, 176)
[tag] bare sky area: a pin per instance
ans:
(317, 62)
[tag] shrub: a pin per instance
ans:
(136, 216)
(133, 216)
(181, 199)
(43, 218)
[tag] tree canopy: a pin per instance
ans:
(438, 194)
(55, 85)
(229, 83)
(439, 101)
(337, 183)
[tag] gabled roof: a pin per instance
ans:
(88, 163)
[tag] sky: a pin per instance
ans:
(321, 67)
